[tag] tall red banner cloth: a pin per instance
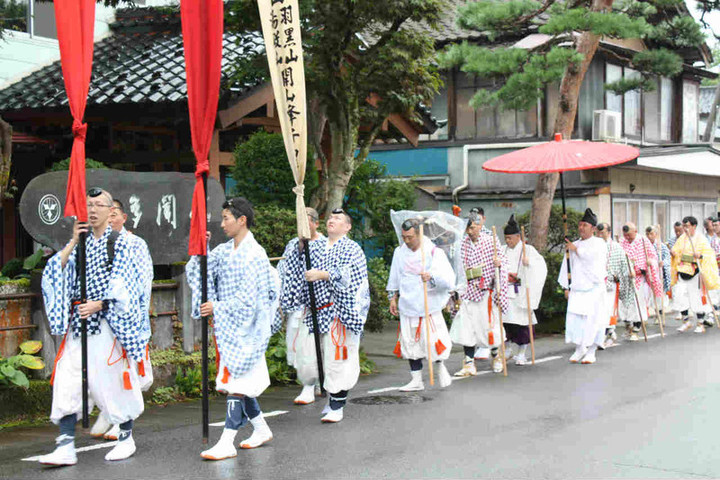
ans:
(202, 28)
(75, 21)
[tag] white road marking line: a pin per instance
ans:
(546, 359)
(654, 335)
(78, 450)
(381, 390)
(274, 413)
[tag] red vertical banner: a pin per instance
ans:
(202, 28)
(75, 21)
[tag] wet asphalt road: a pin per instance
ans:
(643, 411)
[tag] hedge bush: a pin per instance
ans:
(19, 403)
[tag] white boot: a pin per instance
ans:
(100, 426)
(497, 364)
(443, 375)
(124, 449)
(113, 433)
(261, 432)
(415, 384)
(307, 396)
(482, 353)
(63, 454)
(580, 352)
(224, 448)
(333, 416)
(326, 408)
(468, 368)
(589, 357)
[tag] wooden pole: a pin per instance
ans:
(637, 296)
(703, 283)
(427, 310)
(662, 272)
(527, 296)
(652, 291)
(497, 289)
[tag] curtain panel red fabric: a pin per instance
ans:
(202, 28)
(75, 21)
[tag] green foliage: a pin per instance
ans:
(678, 32)
(12, 268)
(658, 62)
(379, 314)
(495, 17)
(551, 311)
(611, 24)
(22, 403)
(630, 83)
(18, 268)
(13, 16)
(274, 227)
(263, 174)
(188, 382)
(163, 395)
(367, 366)
(90, 164)
(276, 357)
(555, 242)
(371, 194)
(11, 372)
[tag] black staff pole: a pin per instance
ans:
(82, 264)
(305, 246)
(204, 280)
(565, 227)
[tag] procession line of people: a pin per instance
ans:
(605, 281)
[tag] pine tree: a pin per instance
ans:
(574, 29)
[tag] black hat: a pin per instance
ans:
(589, 217)
(512, 227)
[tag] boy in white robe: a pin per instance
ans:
(116, 331)
(587, 308)
(408, 273)
(243, 299)
(524, 271)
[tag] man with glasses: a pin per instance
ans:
(290, 292)
(115, 326)
(408, 272)
(477, 324)
(140, 250)
(694, 271)
(342, 297)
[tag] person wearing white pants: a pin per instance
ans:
(410, 274)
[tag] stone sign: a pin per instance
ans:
(157, 204)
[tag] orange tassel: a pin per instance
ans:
(337, 352)
(226, 375)
(127, 385)
(613, 320)
(704, 300)
(669, 294)
(398, 350)
(141, 368)
(345, 354)
(491, 338)
(439, 347)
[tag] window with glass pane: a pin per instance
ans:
(661, 218)
(690, 112)
(613, 102)
(646, 216)
(619, 216)
(634, 213)
(631, 113)
(667, 98)
(676, 213)
(651, 114)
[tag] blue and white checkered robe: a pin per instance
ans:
(245, 298)
(666, 272)
(346, 295)
(122, 285)
(145, 262)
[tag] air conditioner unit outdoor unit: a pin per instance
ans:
(607, 125)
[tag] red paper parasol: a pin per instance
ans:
(562, 156)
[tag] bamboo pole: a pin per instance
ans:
(652, 291)
(427, 310)
(527, 296)
(631, 267)
(497, 289)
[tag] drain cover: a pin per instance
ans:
(390, 400)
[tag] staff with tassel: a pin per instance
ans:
(527, 296)
(497, 287)
(427, 310)
(652, 291)
(631, 268)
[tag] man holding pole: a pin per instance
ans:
(694, 271)
(619, 293)
(290, 298)
(526, 276)
(414, 284)
(586, 311)
(116, 329)
(243, 299)
(477, 323)
(342, 296)
(643, 258)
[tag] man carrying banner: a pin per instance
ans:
(643, 258)
(586, 311)
(116, 327)
(342, 296)
(143, 260)
(694, 271)
(408, 272)
(243, 299)
(291, 292)
(476, 323)
(526, 273)
(619, 293)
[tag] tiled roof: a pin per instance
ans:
(142, 61)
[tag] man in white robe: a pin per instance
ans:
(290, 294)
(587, 308)
(243, 299)
(524, 270)
(116, 331)
(409, 272)
(102, 427)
